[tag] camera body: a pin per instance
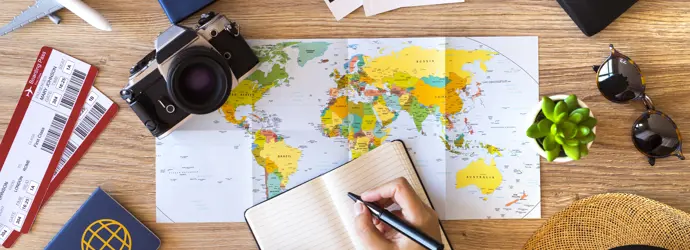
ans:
(191, 71)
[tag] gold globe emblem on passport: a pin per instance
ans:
(106, 234)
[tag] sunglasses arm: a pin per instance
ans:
(680, 155)
(613, 51)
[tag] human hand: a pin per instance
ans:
(375, 234)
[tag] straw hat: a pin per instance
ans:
(608, 221)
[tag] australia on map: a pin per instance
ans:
(312, 105)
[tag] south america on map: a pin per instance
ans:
(312, 105)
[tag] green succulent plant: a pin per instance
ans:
(564, 127)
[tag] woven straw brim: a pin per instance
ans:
(611, 220)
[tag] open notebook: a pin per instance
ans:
(318, 214)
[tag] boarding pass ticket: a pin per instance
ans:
(97, 112)
(35, 139)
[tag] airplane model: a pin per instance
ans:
(48, 8)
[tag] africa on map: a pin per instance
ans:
(457, 103)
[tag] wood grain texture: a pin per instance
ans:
(653, 32)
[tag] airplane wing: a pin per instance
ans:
(40, 9)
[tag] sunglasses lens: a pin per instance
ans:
(655, 135)
(619, 79)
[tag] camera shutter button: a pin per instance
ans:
(167, 105)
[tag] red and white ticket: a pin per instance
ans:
(35, 139)
(98, 111)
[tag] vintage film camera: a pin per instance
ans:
(191, 71)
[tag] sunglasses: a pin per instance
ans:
(654, 133)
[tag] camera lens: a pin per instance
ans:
(199, 80)
(197, 83)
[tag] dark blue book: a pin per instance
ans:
(102, 223)
(178, 10)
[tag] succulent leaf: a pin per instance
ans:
(572, 151)
(560, 118)
(547, 107)
(584, 151)
(550, 143)
(545, 126)
(572, 142)
(533, 131)
(587, 139)
(582, 111)
(560, 112)
(571, 101)
(583, 131)
(576, 118)
(590, 123)
(559, 139)
(553, 154)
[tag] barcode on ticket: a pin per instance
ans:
(85, 126)
(54, 132)
(69, 151)
(97, 105)
(72, 92)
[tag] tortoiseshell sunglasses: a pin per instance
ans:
(654, 134)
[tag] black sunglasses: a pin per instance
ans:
(654, 134)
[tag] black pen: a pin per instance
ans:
(398, 224)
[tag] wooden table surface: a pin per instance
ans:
(654, 33)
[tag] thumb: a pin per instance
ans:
(369, 235)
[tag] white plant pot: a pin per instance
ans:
(533, 115)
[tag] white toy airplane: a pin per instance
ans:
(48, 7)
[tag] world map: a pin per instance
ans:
(312, 105)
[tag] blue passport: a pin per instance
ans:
(178, 10)
(102, 223)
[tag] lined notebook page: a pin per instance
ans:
(302, 218)
(319, 214)
(373, 169)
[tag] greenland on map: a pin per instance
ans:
(459, 104)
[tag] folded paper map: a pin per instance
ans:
(457, 103)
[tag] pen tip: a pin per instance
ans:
(354, 197)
